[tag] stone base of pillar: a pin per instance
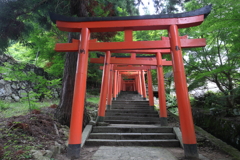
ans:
(100, 119)
(114, 99)
(163, 121)
(144, 98)
(73, 151)
(152, 108)
(109, 107)
(190, 151)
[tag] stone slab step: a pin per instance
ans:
(131, 129)
(134, 105)
(131, 107)
(129, 102)
(131, 114)
(110, 142)
(132, 118)
(128, 136)
(131, 122)
(145, 104)
(147, 111)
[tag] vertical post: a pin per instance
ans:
(75, 134)
(143, 85)
(150, 89)
(137, 84)
(124, 86)
(184, 108)
(117, 80)
(134, 84)
(140, 83)
(110, 88)
(104, 87)
(161, 91)
(115, 86)
(119, 83)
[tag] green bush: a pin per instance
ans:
(3, 106)
(209, 100)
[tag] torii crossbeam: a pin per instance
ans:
(170, 22)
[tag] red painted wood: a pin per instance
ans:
(75, 134)
(161, 87)
(121, 25)
(134, 45)
(184, 108)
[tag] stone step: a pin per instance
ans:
(147, 111)
(131, 107)
(131, 114)
(130, 102)
(113, 142)
(131, 129)
(123, 99)
(131, 122)
(122, 136)
(131, 118)
(123, 104)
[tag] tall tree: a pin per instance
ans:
(83, 8)
(219, 61)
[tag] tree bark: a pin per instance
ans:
(63, 112)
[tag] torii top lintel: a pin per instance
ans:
(148, 22)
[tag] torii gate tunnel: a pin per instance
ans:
(169, 22)
(150, 62)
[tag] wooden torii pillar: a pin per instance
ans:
(110, 88)
(171, 22)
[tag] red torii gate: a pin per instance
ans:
(151, 61)
(170, 22)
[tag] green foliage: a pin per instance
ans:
(3, 106)
(209, 100)
(171, 100)
(94, 99)
(219, 61)
(22, 107)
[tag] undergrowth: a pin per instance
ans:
(9, 109)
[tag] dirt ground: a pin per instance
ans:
(38, 130)
(35, 131)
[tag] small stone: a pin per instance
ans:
(8, 98)
(48, 153)
(22, 93)
(64, 131)
(54, 150)
(38, 155)
(5, 89)
(16, 98)
(57, 148)
(15, 86)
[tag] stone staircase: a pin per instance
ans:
(132, 123)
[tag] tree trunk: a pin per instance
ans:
(63, 112)
(64, 109)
